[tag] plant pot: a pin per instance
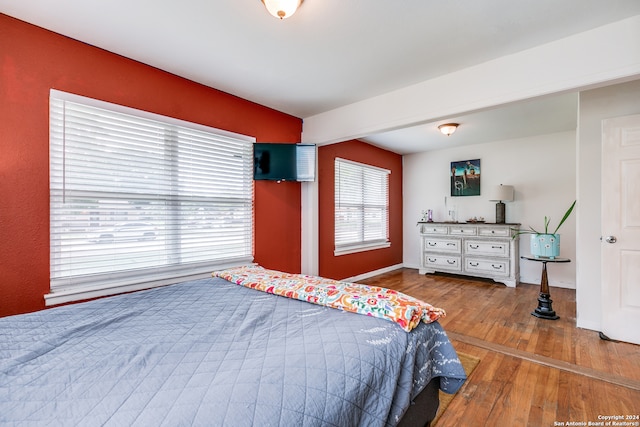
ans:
(545, 245)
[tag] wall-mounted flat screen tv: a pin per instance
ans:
(284, 162)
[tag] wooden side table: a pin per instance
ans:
(544, 309)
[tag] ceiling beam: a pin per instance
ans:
(598, 57)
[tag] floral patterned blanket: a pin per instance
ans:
(374, 301)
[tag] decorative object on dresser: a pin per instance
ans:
(501, 193)
(473, 249)
(427, 216)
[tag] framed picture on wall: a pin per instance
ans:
(465, 178)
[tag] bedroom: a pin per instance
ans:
(37, 60)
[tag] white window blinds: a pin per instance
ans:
(139, 200)
(361, 207)
(305, 162)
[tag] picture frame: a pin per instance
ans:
(465, 178)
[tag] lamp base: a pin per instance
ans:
(500, 215)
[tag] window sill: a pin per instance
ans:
(95, 287)
(361, 248)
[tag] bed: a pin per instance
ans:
(210, 352)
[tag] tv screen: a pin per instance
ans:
(284, 162)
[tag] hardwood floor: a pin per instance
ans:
(533, 372)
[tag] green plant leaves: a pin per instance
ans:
(547, 221)
(566, 215)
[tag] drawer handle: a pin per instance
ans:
(474, 264)
(493, 231)
(497, 267)
(451, 244)
(474, 246)
(451, 262)
(432, 244)
(496, 247)
(432, 259)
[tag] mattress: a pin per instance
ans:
(208, 352)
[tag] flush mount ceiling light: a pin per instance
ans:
(448, 128)
(282, 8)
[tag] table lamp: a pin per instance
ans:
(501, 193)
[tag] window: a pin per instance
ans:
(140, 200)
(361, 207)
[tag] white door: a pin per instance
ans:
(621, 228)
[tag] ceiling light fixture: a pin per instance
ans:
(448, 128)
(282, 8)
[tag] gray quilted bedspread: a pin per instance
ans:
(211, 353)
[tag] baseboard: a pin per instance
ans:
(373, 273)
(535, 280)
(593, 326)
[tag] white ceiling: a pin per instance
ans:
(335, 52)
(541, 116)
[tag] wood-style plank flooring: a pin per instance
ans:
(533, 372)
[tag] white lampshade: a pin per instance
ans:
(502, 193)
(282, 8)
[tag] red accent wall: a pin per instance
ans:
(341, 267)
(33, 61)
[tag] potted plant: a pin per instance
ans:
(545, 244)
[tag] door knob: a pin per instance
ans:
(610, 239)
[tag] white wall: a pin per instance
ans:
(595, 105)
(543, 171)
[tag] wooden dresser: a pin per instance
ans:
(473, 249)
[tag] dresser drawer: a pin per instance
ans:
(462, 230)
(494, 231)
(493, 267)
(441, 245)
(493, 248)
(434, 229)
(443, 262)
